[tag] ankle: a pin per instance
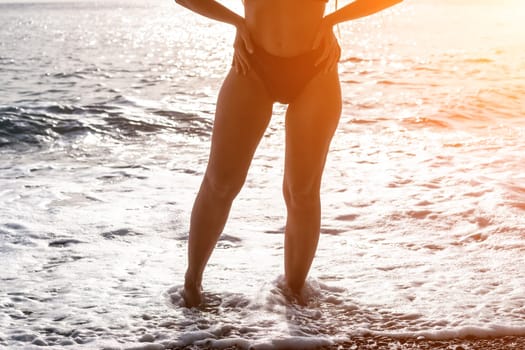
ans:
(192, 282)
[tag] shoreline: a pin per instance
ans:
(469, 343)
(366, 342)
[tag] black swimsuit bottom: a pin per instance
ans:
(286, 77)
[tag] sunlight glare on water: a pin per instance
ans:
(105, 122)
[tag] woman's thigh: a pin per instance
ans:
(242, 115)
(311, 121)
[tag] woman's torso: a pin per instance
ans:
(284, 27)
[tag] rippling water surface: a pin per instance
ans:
(106, 110)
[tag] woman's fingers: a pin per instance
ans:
(317, 40)
(248, 43)
(238, 65)
(240, 61)
(243, 48)
(333, 58)
(328, 49)
(323, 32)
(235, 65)
(324, 55)
(321, 58)
(330, 53)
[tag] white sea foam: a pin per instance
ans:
(423, 194)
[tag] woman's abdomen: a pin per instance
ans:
(284, 27)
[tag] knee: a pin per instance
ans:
(301, 196)
(222, 187)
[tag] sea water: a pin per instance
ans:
(106, 110)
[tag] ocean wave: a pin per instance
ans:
(422, 122)
(119, 118)
(32, 127)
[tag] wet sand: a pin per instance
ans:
(381, 342)
(371, 342)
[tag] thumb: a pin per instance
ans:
(317, 40)
(248, 43)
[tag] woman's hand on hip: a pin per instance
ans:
(330, 48)
(243, 48)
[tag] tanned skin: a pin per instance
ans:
(243, 111)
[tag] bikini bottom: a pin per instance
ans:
(286, 77)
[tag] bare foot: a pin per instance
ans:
(192, 296)
(296, 296)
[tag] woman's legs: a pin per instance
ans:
(311, 121)
(242, 115)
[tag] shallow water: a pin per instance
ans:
(105, 116)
